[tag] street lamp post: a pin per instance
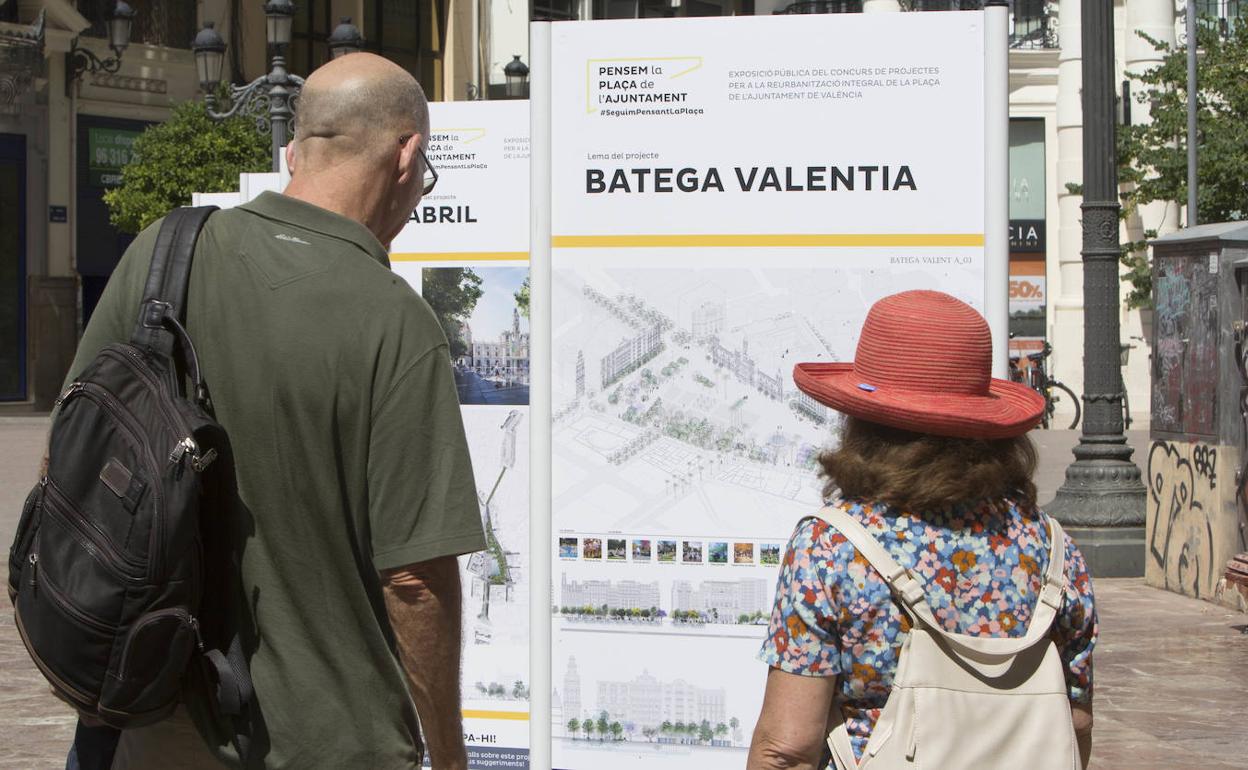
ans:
(1102, 500)
(80, 60)
(517, 73)
(270, 99)
(345, 39)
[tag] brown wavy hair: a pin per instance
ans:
(919, 472)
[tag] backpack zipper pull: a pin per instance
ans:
(193, 622)
(34, 571)
(201, 462)
(180, 449)
(73, 388)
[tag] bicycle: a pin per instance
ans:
(1037, 378)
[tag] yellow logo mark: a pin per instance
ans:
(695, 63)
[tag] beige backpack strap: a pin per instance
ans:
(910, 590)
(838, 741)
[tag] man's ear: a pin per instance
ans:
(290, 158)
(409, 160)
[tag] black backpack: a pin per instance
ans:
(108, 570)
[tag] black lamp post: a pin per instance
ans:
(517, 73)
(1102, 500)
(269, 98)
(209, 51)
(345, 39)
(80, 60)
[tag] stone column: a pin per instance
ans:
(1066, 281)
(1155, 18)
(60, 165)
(53, 295)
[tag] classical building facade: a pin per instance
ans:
(617, 595)
(506, 358)
(630, 354)
(727, 598)
(648, 701)
(743, 367)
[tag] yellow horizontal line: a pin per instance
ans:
(515, 716)
(459, 256)
(764, 240)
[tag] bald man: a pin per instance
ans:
(354, 488)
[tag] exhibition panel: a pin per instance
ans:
(721, 211)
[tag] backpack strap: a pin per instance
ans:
(234, 692)
(910, 590)
(164, 296)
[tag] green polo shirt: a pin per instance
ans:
(332, 378)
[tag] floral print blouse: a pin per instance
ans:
(982, 565)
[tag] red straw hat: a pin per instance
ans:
(924, 364)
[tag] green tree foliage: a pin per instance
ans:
(452, 293)
(1152, 157)
(522, 297)
(186, 154)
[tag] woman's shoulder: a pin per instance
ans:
(816, 536)
(1077, 575)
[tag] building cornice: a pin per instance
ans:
(61, 13)
(1033, 68)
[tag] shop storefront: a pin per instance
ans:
(1028, 239)
(104, 146)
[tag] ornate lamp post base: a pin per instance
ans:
(1101, 506)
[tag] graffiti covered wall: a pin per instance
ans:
(1193, 521)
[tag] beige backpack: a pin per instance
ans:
(963, 701)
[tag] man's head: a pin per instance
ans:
(361, 124)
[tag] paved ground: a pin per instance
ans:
(1171, 672)
(475, 389)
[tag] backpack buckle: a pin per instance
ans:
(1053, 594)
(155, 312)
(910, 590)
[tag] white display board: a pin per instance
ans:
(728, 196)
(467, 251)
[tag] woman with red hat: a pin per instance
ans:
(933, 478)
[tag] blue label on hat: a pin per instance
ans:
(866, 387)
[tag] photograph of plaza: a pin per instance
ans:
(641, 550)
(591, 548)
(567, 548)
(667, 550)
(742, 553)
(769, 554)
(617, 549)
(718, 553)
(484, 312)
(691, 552)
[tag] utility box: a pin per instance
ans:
(1195, 524)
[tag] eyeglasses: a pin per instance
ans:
(430, 178)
